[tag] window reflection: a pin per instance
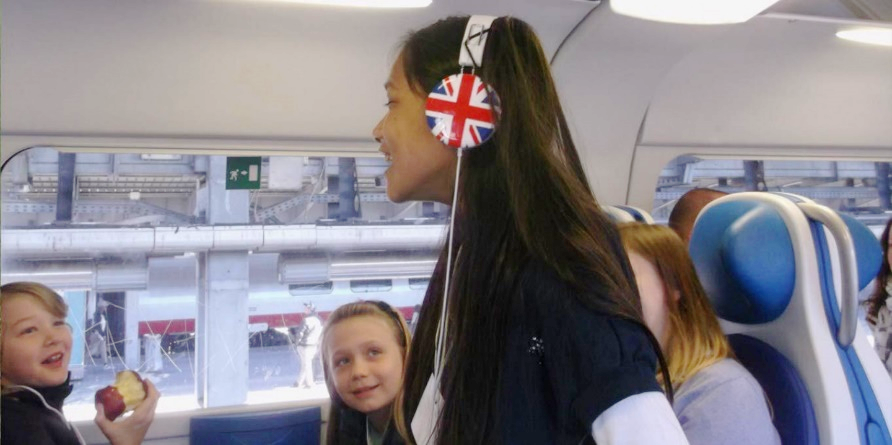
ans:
(133, 242)
(859, 188)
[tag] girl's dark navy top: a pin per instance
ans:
(27, 421)
(566, 364)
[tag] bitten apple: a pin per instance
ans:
(128, 391)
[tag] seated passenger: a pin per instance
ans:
(364, 347)
(879, 305)
(34, 356)
(717, 400)
(685, 212)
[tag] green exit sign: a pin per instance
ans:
(242, 173)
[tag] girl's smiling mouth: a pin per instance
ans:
(364, 391)
(54, 360)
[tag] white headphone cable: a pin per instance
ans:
(443, 325)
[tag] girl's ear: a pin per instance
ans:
(676, 295)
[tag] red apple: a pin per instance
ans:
(128, 391)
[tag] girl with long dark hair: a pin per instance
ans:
(879, 305)
(541, 338)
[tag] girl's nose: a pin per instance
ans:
(52, 337)
(360, 369)
(56, 334)
(378, 131)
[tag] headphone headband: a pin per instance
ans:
(474, 40)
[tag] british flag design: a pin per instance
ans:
(461, 111)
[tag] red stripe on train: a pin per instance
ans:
(166, 326)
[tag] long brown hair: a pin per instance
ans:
(523, 198)
(695, 338)
(878, 298)
(371, 308)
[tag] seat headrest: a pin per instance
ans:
(744, 258)
(617, 215)
(623, 213)
(638, 215)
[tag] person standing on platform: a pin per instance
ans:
(308, 346)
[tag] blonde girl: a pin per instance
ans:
(364, 348)
(717, 401)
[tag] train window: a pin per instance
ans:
(310, 288)
(859, 188)
(363, 286)
(166, 254)
(419, 283)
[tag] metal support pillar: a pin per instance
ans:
(347, 189)
(221, 329)
(131, 329)
(65, 187)
(225, 336)
(201, 321)
(884, 185)
(754, 176)
(850, 203)
(333, 207)
(77, 319)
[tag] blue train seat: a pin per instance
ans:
(299, 426)
(783, 274)
(624, 213)
(791, 407)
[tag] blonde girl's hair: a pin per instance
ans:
(395, 319)
(46, 297)
(695, 338)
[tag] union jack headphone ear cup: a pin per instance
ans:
(462, 111)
